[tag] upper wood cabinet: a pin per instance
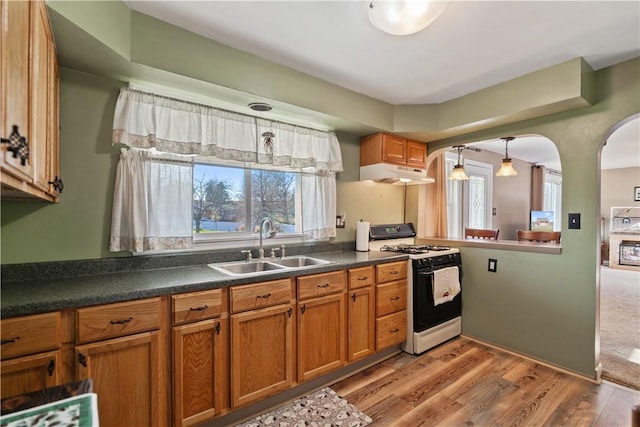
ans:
(29, 124)
(394, 149)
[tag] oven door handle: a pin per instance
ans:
(425, 273)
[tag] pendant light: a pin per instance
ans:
(506, 167)
(458, 173)
(404, 17)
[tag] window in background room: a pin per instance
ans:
(469, 202)
(454, 199)
(230, 202)
(478, 194)
(553, 196)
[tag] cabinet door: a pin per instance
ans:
(394, 149)
(30, 373)
(39, 95)
(129, 378)
(200, 371)
(261, 353)
(416, 154)
(361, 323)
(321, 335)
(14, 44)
(53, 125)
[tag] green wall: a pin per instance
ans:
(77, 227)
(546, 305)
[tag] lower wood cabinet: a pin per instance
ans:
(30, 352)
(30, 373)
(361, 303)
(261, 353)
(200, 371)
(321, 335)
(200, 338)
(123, 348)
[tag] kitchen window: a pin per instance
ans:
(230, 202)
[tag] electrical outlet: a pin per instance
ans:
(493, 265)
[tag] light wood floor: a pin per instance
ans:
(465, 383)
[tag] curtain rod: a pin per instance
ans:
(131, 87)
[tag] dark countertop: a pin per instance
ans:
(22, 297)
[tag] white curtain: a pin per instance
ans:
(151, 202)
(319, 205)
(144, 120)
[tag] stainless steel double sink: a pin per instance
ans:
(248, 268)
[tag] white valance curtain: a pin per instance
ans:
(145, 121)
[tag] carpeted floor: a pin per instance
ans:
(323, 408)
(620, 326)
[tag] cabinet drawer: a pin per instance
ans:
(116, 320)
(30, 334)
(196, 306)
(391, 271)
(391, 297)
(391, 329)
(361, 277)
(320, 284)
(265, 294)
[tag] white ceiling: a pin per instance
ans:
(472, 45)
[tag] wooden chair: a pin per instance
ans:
(481, 233)
(539, 236)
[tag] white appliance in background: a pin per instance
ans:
(394, 174)
(428, 324)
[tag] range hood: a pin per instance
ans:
(394, 174)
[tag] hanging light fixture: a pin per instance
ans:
(506, 167)
(404, 17)
(458, 173)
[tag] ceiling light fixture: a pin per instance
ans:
(404, 17)
(458, 173)
(260, 106)
(506, 167)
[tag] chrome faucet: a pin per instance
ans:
(265, 222)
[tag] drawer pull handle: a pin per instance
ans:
(363, 278)
(353, 297)
(16, 339)
(394, 330)
(82, 359)
(201, 308)
(326, 285)
(396, 298)
(265, 296)
(122, 321)
(303, 309)
(217, 328)
(52, 367)
(394, 272)
(290, 312)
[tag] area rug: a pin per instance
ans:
(323, 408)
(620, 326)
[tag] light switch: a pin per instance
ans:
(574, 221)
(493, 265)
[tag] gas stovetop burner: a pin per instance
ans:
(413, 249)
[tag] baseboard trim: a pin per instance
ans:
(533, 359)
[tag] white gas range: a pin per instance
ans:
(428, 323)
